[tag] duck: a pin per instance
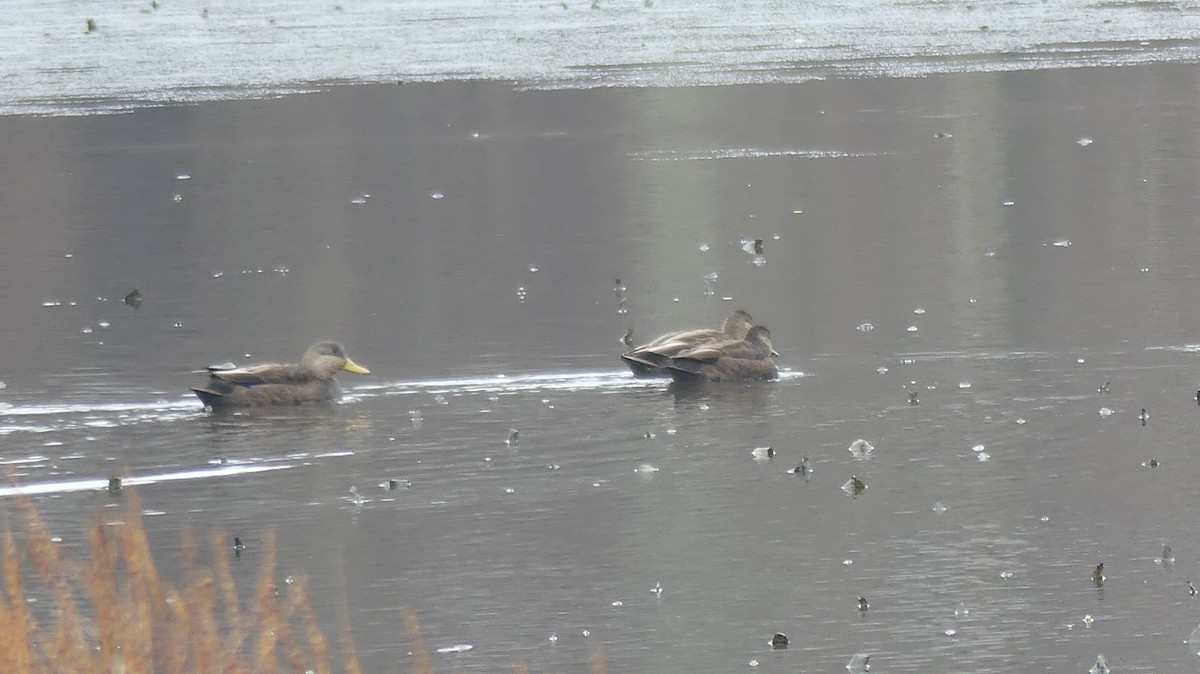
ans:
(279, 384)
(648, 360)
(745, 359)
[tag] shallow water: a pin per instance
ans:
(942, 204)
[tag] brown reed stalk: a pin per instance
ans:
(115, 612)
(596, 661)
(17, 626)
(319, 653)
(349, 652)
(267, 612)
(420, 656)
(98, 580)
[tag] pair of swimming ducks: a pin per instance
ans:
(739, 351)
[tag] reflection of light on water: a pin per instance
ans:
(558, 381)
(21, 418)
(101, 483)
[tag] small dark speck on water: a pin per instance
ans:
(133, 298)
(91, 25)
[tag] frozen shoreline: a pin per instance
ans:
(141, 55)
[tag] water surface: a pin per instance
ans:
(476, 281)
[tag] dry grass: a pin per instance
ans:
(115, 613)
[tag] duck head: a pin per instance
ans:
(326, 358)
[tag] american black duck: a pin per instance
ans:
(648, 359)
(731, 360)
(277, 384)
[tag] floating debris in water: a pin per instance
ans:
(1084, 141)
(645, 469)
(1144, 416)
(939, 507)
(854, 486)
(867, 327)
(859, 664)
(618, 603)
(1106, 412)
(863, 604)
(1104, 388)
(1063, 243)
(804, 469)
(1098, 575)
(978, 448)
(860, 449)
(1101, 666)
(961, 611)
(512, 437)
(114, 486)
(456, 648)
(133, 298)
(393, 484)
(657, 589)
(762, 453)
(779, 641)
(627, 340)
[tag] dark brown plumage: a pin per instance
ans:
(276, 384)
(731, 360)
(648, 359)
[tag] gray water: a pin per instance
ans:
(1015, 241)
